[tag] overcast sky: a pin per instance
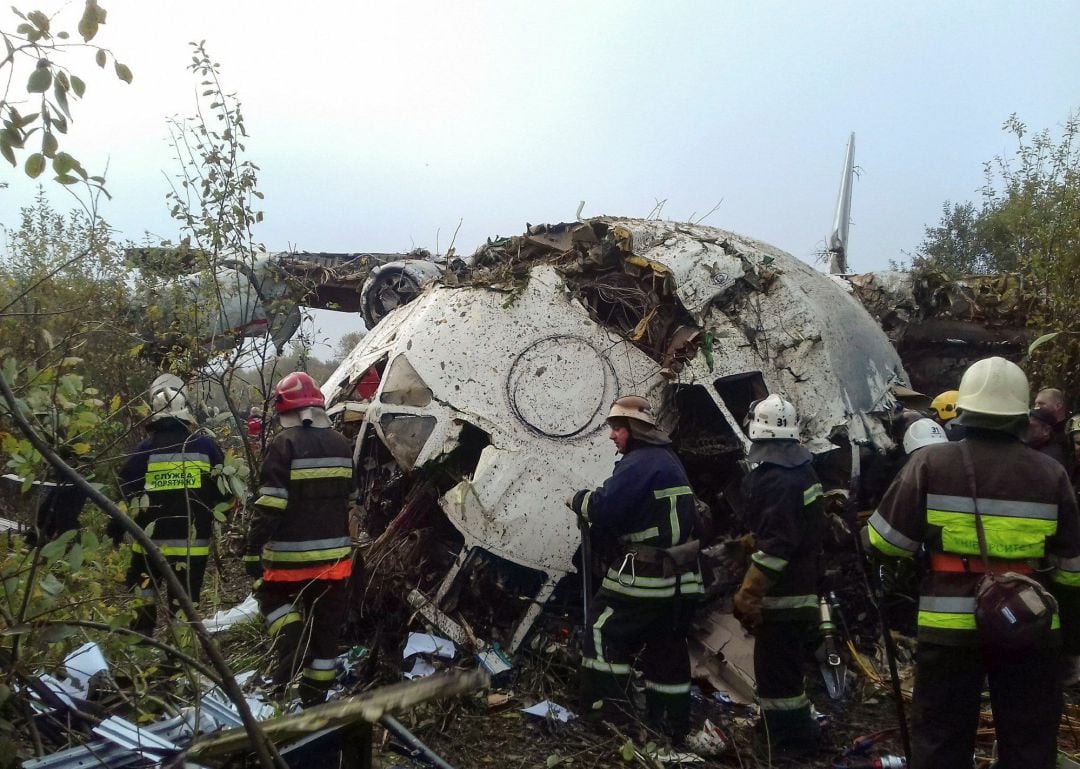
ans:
(378, 126)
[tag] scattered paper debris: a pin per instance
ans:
(494, 661)
(425, 643)
(421, 668)
(245, 611)
(83, 664)
(549, 709)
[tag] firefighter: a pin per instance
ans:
(646, 599)
(1031, 525)
(298, 544)
(944, 408)
(778, 599)
(924, 432)
(172, 468)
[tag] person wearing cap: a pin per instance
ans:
(778, 599)
(1042, 435)
(298, 544)
(172, 470)
(1032, 527)
(646, 599)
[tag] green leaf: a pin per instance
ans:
(123, 72)
(60, 95)
(49, 144)
(78, 86)
(90, 540)
(80, 448)
(63, 163)
(1041, 341)
(5, 150)
(54, 549)
(35, 165)
(553, 760)
(88, 24)
(626, 751)
(75, 557)
(40, 78)
(39, 20)
(66, 179)
(100, 58)
(51, 585)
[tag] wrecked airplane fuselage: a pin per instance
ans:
(488, 393)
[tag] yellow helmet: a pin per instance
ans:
(945, 405)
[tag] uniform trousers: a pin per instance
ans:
(1025, 694)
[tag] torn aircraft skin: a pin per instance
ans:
(485, 397)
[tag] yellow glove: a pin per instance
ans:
(750, 596)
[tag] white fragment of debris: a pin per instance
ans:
(722, 653)
(19, 479)
(425, 643)
(245, 611)
(493, 661)
(62, 689)
(6, 525)
(549, 709)
(669, 756)
(421, 669)
(136, 739)
(83, 664)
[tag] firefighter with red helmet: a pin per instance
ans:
(298, 543)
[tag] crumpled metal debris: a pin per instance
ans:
(490, 391)
(941, 324)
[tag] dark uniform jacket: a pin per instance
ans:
(1029, 515)
(300, 526)
(172, 467)
(646, 503)
(785, 510)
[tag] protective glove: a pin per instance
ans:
(253, 566)
(574, 501)
(749, 598)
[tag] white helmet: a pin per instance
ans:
(633, 407)
(167, 399)
(923, 433)
(774, 419)
(996, 387)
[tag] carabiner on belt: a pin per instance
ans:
(628, 559)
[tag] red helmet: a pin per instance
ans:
(296, 391)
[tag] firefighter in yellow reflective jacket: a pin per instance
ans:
(778, 599)
(298, 544)
(171, 470)
(647, 597)
(1030, 519)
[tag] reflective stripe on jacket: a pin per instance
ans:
(647, 501)
(785, 510)
(299, 527)
(173, 468)
(1029, 516)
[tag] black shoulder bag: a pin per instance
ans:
(1013, 612)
